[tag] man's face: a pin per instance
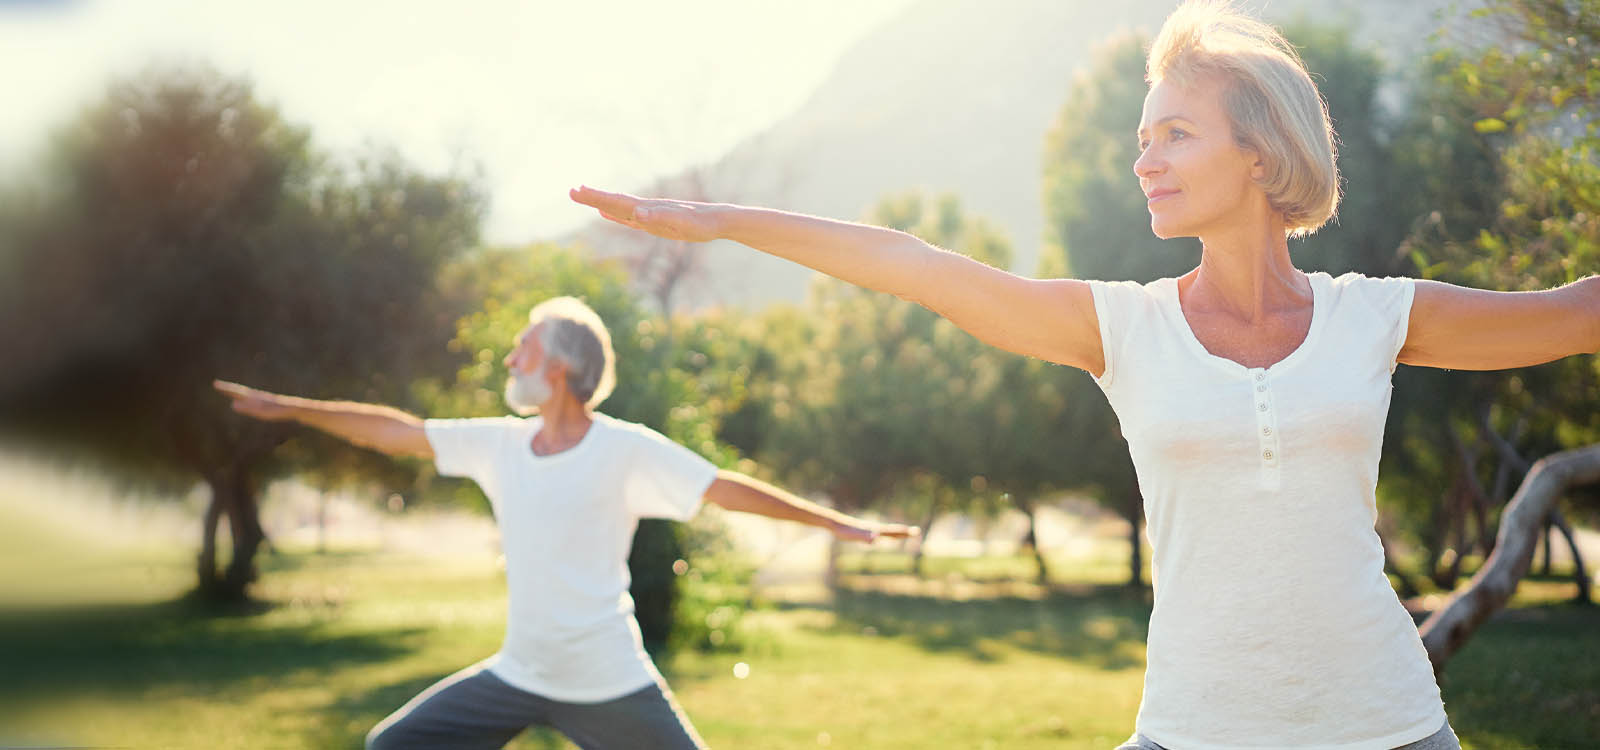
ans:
(532, 382)
(527, 351)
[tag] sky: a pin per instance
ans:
(539, 95)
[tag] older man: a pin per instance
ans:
(568, 488)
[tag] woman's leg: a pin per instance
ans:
(1444, 739)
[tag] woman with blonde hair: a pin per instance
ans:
(1253, 395)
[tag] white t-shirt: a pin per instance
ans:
(566, 526)
(1274, 625)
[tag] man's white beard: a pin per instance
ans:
(525, 392)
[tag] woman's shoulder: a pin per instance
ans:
(1134, 291)
(1376, 290)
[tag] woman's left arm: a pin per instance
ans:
(1458, 328)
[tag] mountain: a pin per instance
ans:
(951, 96)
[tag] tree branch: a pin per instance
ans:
(1447, 630)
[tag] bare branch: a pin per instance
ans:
(1447, 630)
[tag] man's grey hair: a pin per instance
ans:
(574, 335)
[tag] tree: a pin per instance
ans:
(188, 232)
(1098, 228)
(1503, 142)
(1023, 428)
(1447, 630)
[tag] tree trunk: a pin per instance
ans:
(1447, 630)
(1032, 541)
(244, 521)
(1475, 499)
(322, 523)
(934, 505)
(830, 574)
(1455, 538)
(1548, 537)
(1510, 460)
(1135, 516)
(206, 565)
(1579, 573)
(233, 496)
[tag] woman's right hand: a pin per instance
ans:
(672, 219)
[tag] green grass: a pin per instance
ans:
(340, 640)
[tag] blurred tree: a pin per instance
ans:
(890, 406)
(1098, 228)
(1016, 423)
(185, 232)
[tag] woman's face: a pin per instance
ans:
(1195, 177)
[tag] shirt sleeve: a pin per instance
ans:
(1391, 297)
(1113, 301)
(664, 479)
(465, 447)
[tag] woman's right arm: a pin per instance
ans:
(1052, 319)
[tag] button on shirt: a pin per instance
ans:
(1274, 625)
(566, 526)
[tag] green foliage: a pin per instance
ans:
(881, 404)
(1095, 216)
(710, 614)
(1505, 141)
(1373, 217)
(853, 419)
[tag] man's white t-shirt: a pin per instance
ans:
(566, 527)
(1274, 625)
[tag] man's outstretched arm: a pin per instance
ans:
(382, 428)
(736, 491)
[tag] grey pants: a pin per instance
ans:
(475, 709)
(1444, 739)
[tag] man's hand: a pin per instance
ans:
(866, 532)
(746, 494)
(251, 402)
(381, 428)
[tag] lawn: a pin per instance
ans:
(338, 640)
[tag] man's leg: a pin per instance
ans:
(648, 717)
(1139, 742)
(469, 709)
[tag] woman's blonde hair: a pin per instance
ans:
(1273, 105)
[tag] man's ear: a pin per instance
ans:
(555, 373)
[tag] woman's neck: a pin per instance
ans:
(1246, 273)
